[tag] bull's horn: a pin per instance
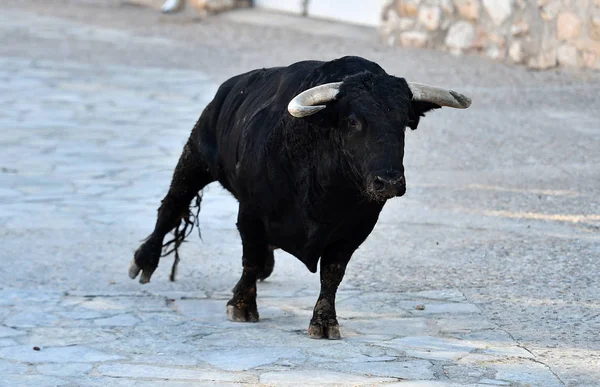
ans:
(439, 96)
(307, 102)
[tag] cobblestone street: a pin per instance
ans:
(497, 237)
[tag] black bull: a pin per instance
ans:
(309, 179)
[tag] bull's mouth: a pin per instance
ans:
(382, 189)
(383, 196)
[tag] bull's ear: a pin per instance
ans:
(418, 110)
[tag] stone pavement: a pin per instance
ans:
(509, 286)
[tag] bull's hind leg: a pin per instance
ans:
(190, 176)
(257, 256)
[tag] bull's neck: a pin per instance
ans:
(323, 176)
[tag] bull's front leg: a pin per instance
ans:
(324, 322)
(256, 259)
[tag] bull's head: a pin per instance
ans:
(371, 113)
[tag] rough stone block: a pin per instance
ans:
(544, 60)
(447, 6)
(567, 55)
(407, 7)
(413, 39)
(549, 10)
(568, 26)
(460, 36)
(594, 27)
(590, 59)
(430, 17)
(468, 9)
(515, 51)
(499, 10)
(519, 28)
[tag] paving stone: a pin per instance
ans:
(161, 319)
(438, 308)
(526, 373)
(79, 319)
(31, 380)
(82, 354)
(431, 383)
(31, 319)
(311, 377)
(162, 359)
(205, 310)
(245, 358)
(453, 295)
(8, 342)
(462, 324)
(511, 351)
(116, 303)
(494, 337)
(66, 336)
(347, 352)
(122, 320)
(410, 370)
(9, 367)
(428, 347)
(169, 373)
(250, 336)
(70, 369)
(357, 307)
(126, 382)
(466, 373)
(9, 332)
(493, 382)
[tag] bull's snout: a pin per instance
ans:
(388, 186)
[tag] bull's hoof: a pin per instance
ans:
(145, 260)
(242, 314)
(329, 331)
(134, 269)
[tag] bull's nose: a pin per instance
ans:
(388, 187)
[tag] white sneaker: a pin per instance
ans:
(172, 6)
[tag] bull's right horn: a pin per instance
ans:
(308, 102)
(439, 96)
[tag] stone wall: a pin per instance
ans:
(538, 33)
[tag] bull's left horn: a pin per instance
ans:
(308, 102)
(439, 96)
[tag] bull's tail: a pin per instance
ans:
(175, 214)
(181, 231)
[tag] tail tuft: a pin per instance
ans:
(181, 231)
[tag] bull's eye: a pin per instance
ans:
(353, 122)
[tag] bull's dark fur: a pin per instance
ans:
(303, 184)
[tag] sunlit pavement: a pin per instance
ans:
(497, 237)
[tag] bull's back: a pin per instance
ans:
(249, 115)
(250, 110)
